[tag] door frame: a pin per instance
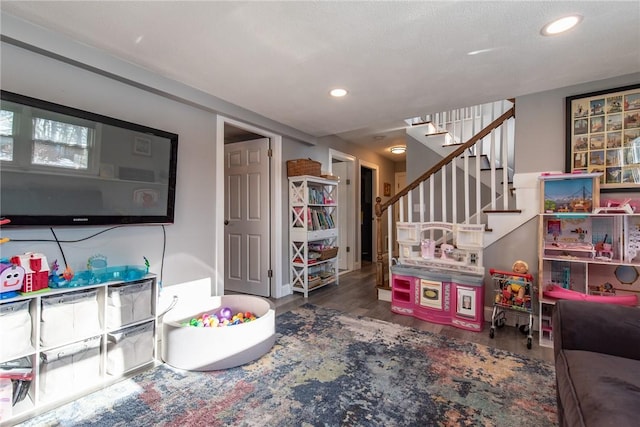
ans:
(376, 193)
(275, 187)
(260, 285)
(351, 209)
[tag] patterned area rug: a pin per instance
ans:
(332, 369)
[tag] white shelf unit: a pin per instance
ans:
(79, 340)
(313, 232)
(571, 256)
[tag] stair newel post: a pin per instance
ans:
(379, 262)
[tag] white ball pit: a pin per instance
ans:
(209, 349)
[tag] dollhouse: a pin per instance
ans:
(586, 251)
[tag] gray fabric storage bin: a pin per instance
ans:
(129, 348)
(68, 317)
(15, 329)
(69, 369)
(128, 303)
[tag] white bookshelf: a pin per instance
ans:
(313, 232)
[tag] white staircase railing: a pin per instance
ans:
(441, 131)
(456, 189)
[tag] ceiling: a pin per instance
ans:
(396, 59)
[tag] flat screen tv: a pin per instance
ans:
(63, 166)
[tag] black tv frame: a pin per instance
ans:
(47, 220)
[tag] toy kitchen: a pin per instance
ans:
(439, 274)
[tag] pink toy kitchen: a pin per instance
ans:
(439, 274)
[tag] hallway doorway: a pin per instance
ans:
(366, 214)
(343, 166)
(247, 232)
(273, 281)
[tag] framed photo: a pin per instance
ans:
(466, 302)
(603, 136)
(387, 189)
(142, 146)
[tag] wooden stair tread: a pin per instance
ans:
(502, 211)
(442, 132)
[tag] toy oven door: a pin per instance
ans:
(431, 294)
(466, 304)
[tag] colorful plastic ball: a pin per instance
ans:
(226, 313)
(224, 318)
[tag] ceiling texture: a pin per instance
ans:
(397, 59)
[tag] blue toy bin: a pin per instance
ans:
(122, 273)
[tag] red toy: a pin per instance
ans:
(36, 269)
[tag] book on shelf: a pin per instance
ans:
(298, 215)
(321, 220)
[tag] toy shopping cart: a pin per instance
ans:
(513, 292)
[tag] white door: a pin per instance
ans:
(247, 208)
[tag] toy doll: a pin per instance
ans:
(516, 285)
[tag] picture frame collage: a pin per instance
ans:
(603, 136)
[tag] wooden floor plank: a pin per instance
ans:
(356, 294)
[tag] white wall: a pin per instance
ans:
(540, 124)
(190, 241)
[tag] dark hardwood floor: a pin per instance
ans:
(356, 294)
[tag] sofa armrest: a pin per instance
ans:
(597, 327)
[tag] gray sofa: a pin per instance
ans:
(597, 361)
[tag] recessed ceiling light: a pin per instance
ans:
(338, 93)
(561, 25)
(399, 149)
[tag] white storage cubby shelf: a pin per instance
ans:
(78, 340)
(313, 232)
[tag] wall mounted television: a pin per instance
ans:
(63, 166)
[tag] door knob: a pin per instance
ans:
(226, 222)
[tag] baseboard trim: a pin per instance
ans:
(384, 295)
